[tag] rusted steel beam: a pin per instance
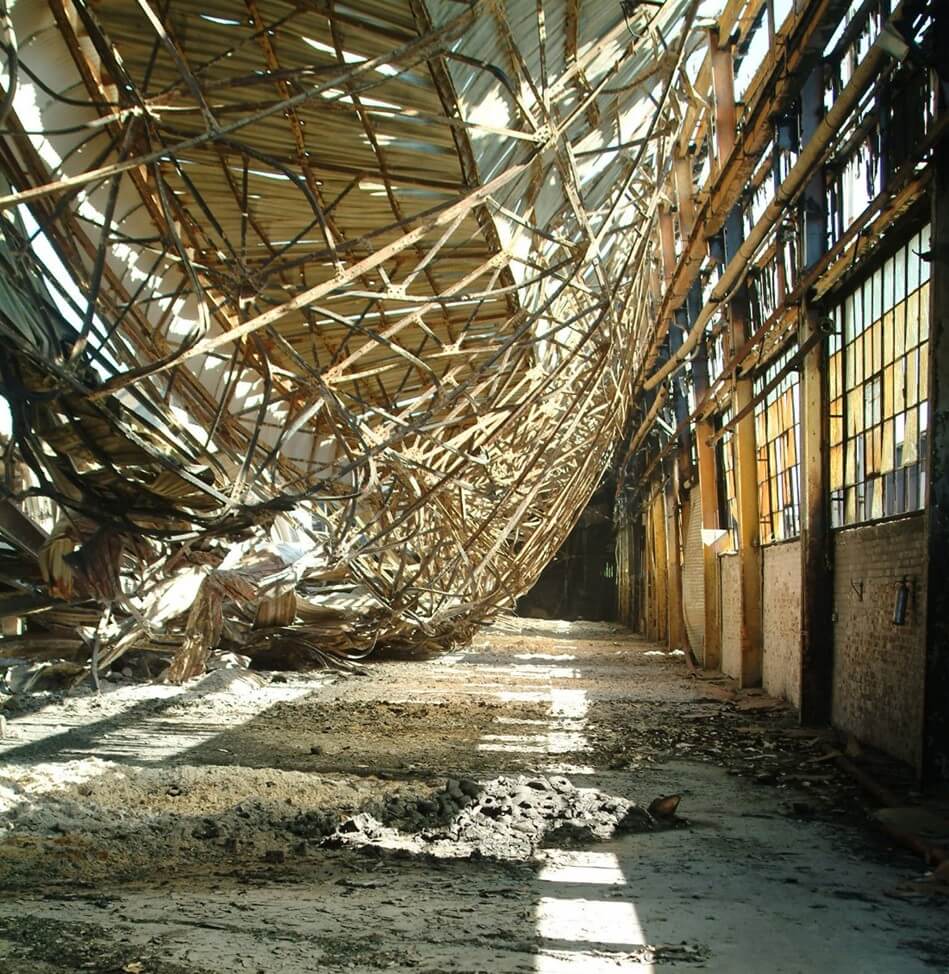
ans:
(792, 365)
(792, 51)
(19, 530)
(830, 272)
(794, 183)
(441, 77)
(736, 16)
(411, 53)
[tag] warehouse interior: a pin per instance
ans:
(475, 486)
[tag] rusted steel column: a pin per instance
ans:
(813, 223)
(708, 495)
(817, 637)
(746, 487)
(667, 239)
(682, 176)
(661, 578)
(676, 619)
(650, 627)
(638, 556)
(723, 90)
(935, 763)
(708, 491)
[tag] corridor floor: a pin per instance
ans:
(467, 813)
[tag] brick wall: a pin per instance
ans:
(730, 575)
(879, 667)
(693, 578)
(781, 598)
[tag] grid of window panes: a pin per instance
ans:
(777, 442)
(878, 373)
(729, 494)
(888, 129)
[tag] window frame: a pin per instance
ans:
(876, 362)
(778, 450)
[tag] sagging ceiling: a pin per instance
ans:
(321, 321)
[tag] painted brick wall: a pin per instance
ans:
(730, 575)
(693, 578)
(879, 667)
(781, 598)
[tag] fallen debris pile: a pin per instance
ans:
(306, 395)
(106, 819)
(504, 818)
(763, 743)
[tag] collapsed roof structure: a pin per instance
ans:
(320, 325)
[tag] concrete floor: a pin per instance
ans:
(157, 830)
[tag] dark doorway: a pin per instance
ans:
(580, 582)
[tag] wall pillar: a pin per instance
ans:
(708, 495)
(708, 491)
(660, 561)
(817, 604)
(817, 631)
(746, 488)
(650, 627)
(676, 620)
(638, 554)
(935, 756)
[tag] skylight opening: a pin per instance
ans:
(223, 21)
(260, 172)
(388, 70)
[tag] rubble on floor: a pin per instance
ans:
(505, 818)
(769, 748)
(470, 805)
(99, 818)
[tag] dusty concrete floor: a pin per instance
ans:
(305, 824)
